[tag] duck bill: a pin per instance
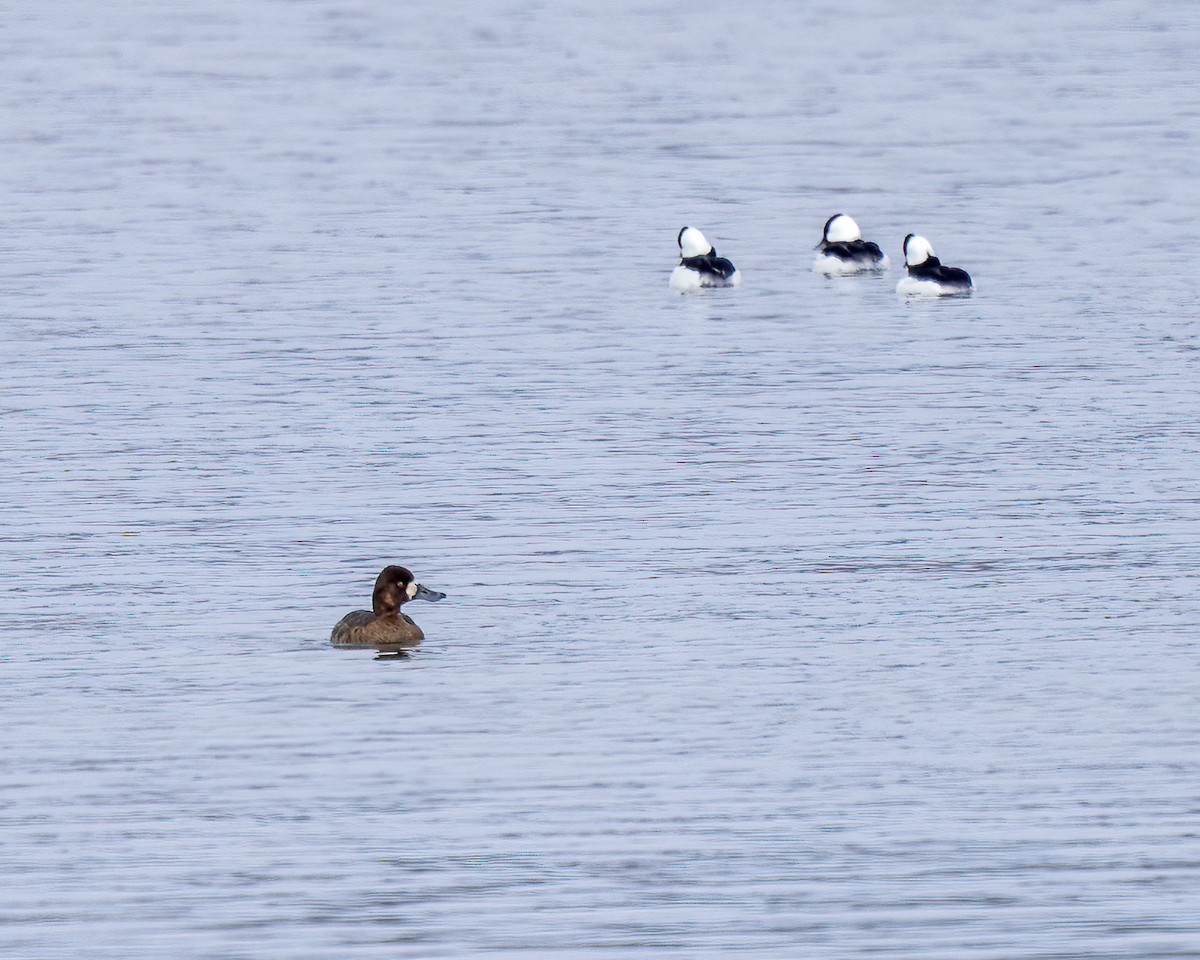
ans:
(424, 593)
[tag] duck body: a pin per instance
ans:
(928, 276)
(384, 625)
(699, 265)
(363, 629)
(847, 259)
(695, 273)
(843, 252)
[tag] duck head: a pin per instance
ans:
(840, 229)
(395, 586)
(916, 250)
(692, 243)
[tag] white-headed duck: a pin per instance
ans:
(699, 265)
(926, 275)
(842, 250)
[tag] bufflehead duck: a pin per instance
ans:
(843, 251)
(926, 275)
(699, 265)
(384, 625)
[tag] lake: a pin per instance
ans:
(793, 621)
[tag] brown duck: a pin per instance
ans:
(384, 625)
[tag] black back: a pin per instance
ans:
(710, 263)
(932, 269)
(861, 250)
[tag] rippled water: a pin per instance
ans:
(795, 621)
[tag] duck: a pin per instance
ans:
(843, 252)
(384, 625)
(926, 275)
(699, 265)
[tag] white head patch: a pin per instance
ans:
(917, 250)
(412, 589)
(842, 229)
(692, 243)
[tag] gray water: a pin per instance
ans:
(795, 621)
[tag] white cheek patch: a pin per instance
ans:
(917, 250)
(692, 243)
(412, 589)
(842, 229)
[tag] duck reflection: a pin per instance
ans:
(384, 627)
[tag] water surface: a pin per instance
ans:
(796, 621)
